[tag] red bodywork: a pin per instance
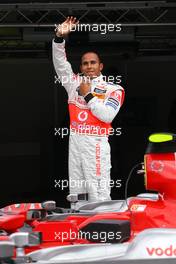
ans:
(160, 176)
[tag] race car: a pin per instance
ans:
(114, 222)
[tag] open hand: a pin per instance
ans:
(66, 27)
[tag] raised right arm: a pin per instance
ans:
(62, 66)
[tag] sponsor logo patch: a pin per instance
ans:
(138, 207)
(116, 95)
(82, 116)
(112, 105)
(99, 91)
(112, 100)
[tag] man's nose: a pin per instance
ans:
(89, 65)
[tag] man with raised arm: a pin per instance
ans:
(93, 104)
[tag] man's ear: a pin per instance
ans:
(101, 66)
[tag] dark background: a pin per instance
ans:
(32, 157)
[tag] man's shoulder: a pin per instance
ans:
(113, 86)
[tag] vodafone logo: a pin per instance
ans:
(169, 251)
(82, 116)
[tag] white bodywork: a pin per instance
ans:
(149, 244)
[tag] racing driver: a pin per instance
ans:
(93, 104)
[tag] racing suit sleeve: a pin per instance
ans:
(63, 67)
(107, 110)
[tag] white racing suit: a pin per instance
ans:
(90, 124)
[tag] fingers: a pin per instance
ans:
(72, 20)
(67, 25)
(75, 21)
(86, 79)
(67, 19)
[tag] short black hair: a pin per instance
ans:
(92, 51)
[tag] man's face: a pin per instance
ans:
(91, 65)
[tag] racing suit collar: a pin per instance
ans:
(98, 79)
